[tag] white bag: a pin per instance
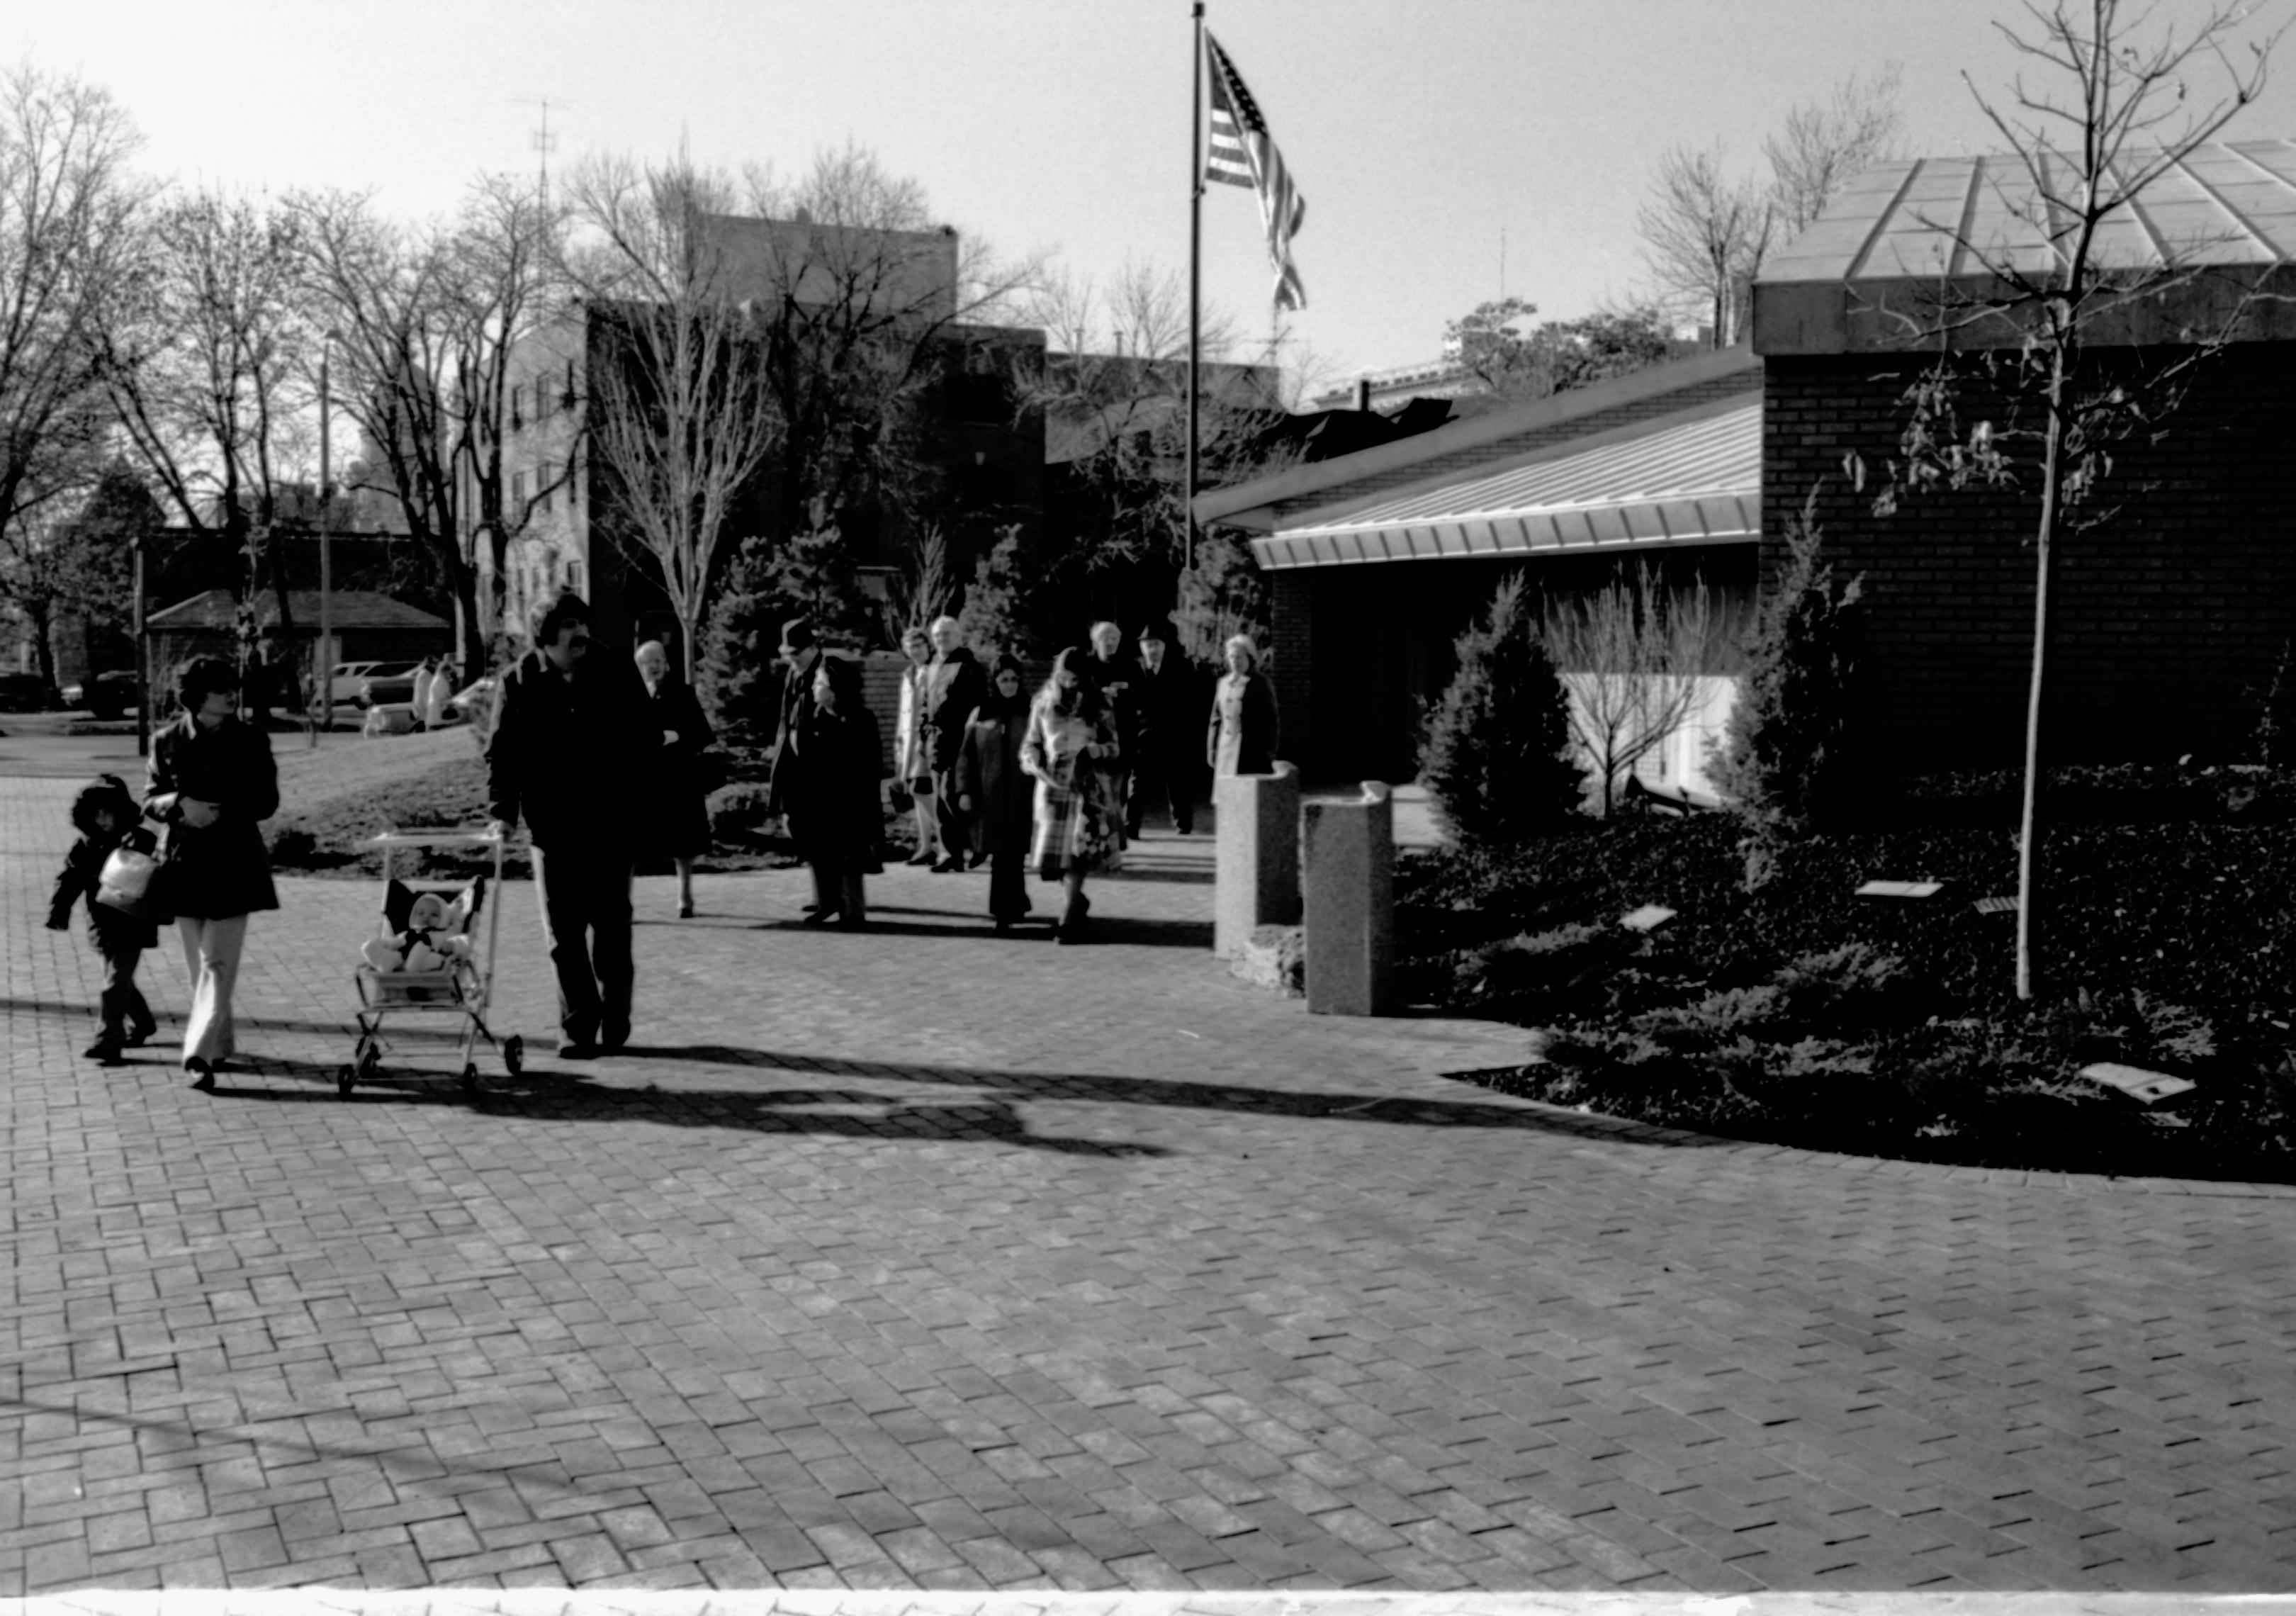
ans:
(127, 879)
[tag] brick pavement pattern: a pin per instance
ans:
(921, 1258)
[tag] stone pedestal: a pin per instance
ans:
(1350, 902)
(1258, 864)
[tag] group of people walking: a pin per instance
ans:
(603, 762)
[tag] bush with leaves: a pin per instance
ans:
(1788, 756)
(1496, 755)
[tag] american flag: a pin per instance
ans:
(1243, 153)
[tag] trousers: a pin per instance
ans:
(1172, 778)
(586, 919)
(212, 950)
(122, 1001)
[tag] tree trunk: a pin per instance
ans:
(2051, 475)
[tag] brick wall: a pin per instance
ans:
(1482, 457)
(2164, 622)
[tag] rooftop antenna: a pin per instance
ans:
(541, 140)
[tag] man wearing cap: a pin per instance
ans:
(1166, 716)
(570, 751)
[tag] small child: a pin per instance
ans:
(108, 818)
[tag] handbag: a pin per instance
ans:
(130, 882)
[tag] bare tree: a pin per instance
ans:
(69, 216)
(207, 364)
(1825, 145)
(680, 416)
(1706, 232)
(2118, 113)
(426, 319)
(1634, 656)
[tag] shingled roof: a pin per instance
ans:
(349, 608)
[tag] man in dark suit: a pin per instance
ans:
(800, 655)
(572, 752)
(1168, 716)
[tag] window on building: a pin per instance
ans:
(574, 576)
(517, 488)
(544, 481)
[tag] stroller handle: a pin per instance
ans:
(432, 839)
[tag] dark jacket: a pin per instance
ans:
(1243, 726)
(113, 930)
(954, 685)
(836, 810)
(573, 756)
(988, 770)
(677, 816)
(223, 870)
(1119, 678)
(796, 702)
(1168, 707)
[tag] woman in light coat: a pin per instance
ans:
(1243, 736)
(912, 762)
(1071, 750)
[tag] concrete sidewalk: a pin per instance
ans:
(919, 1259)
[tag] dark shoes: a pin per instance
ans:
(685, 908)
(104, 1052)
(922, 856)
(202, 1074)
(950, 864)
(816, 915)
(577, 1049)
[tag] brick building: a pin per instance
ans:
(1379, 558)
(2166, 621)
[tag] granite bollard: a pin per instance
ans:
(1256, 865)
(1350, 888)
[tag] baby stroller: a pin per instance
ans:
(461, 985)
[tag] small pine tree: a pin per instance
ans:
(1496, 756)
(738, 675)
(1787, 755)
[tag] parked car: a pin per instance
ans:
(25, 692)
(346, 677)
(388, 684)
(471, 704)
(106, 695)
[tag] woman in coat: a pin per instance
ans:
(1070, 749)
(212, 782)
(1242, 738)
(836, 811)
(912, 759)
(677, 828)
(996, 796)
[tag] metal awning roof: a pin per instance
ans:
(1686, 479)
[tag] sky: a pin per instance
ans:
(1420, 132)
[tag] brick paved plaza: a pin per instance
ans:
(922, 1259)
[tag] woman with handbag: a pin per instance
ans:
(678, 827)
(1071, 750)
(211, 781)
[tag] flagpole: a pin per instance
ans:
(1195, 272)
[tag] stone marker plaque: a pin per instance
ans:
(1650, 917)
(2135, 1082)
(1900, 888)
(1996, 906)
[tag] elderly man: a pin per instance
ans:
(1114, 673)
(571, 750)
(954, 685)
(801, 654)
(1168, 713)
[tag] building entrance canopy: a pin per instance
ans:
(1693, 478)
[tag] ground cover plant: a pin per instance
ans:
(1800, 1012)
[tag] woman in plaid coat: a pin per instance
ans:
(1071, 750)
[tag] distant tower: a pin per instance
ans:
(544, 143)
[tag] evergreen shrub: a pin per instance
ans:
(1496, 755)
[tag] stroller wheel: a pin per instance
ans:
(344, 1077)
(514, 1054)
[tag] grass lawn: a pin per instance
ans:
(1803, 1014)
